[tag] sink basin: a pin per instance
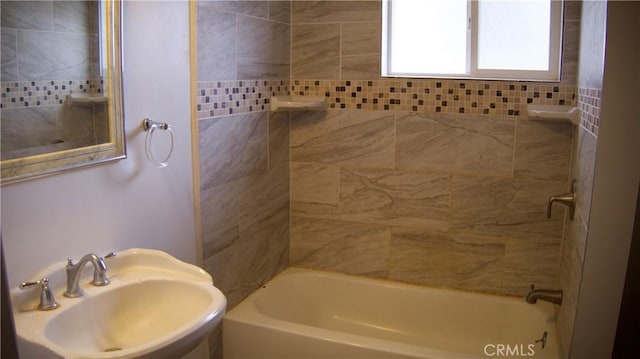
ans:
(155, 306)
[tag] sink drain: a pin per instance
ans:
(114, 349)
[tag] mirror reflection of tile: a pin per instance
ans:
(49, 51)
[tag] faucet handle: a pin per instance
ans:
(100, 277)
(109, 255)
(47, 300)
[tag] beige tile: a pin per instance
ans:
(245, 221)
(263, 49)
(32, 15)
(28, 127)
(592, 40)
(265, 201)
(334, 11)
(361, 39)
(398, 198)
(72, 16)
(216, 39)
(505, 207)
(315, 183)
(268, 222)
(101, 123)
(250, 268)
(360, 67)
(456, 144)
(8, 43)
(346, 247)
(223, 245)
(583, 170)
(572, 9)
(447, 260)
(45, 55)
(220, 215)
(74, 123)
(315, 51)
(316, 210)
(280, 11)
(266, 210)
(570, 52)
(359, 138)
(255, 8)
(279, 133)
(572, 258)
(543, 150)
(573, 248)
(232, 147)
(569, 278)
(531, 261)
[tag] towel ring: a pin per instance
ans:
(150, 126)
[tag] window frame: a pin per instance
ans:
(555, 50)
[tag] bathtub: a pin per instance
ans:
(304, 314)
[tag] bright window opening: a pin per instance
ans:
(490, 39)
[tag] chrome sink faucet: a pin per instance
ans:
(75, 270)
(550, 295)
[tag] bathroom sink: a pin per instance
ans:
(154, 307)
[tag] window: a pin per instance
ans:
(488, 39)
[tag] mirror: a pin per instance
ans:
(61, 75)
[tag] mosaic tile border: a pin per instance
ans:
(219, 98)
(589, 100)
(22, 94)
(436, 95)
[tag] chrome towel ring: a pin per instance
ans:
(150, 126)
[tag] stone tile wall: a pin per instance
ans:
(434, 199)
(590, 75)
(340, 40)
(575, 232)
(436, 182)
(448, 178)
(243, 60)
(476, 179)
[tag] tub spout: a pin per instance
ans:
(550, 295)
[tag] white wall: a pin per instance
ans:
(123, 204)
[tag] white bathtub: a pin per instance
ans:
(304, 314)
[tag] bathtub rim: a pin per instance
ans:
(248, 313)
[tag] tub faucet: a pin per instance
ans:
(75, 270)
(550, 295)
(568, 199)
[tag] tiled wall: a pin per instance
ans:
(436, 199)
(435, 182)
(243, 60)
(48, 52)
(340, 40)
(436, 95)
(575, 236)
(592, 42)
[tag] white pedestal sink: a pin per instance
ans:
(155, 307)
